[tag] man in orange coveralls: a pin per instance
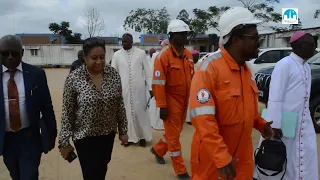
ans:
(173, 71)
(223, 103)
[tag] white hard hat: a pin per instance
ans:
(177, 25)
(233, 17)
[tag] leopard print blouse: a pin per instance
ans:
(87, 111)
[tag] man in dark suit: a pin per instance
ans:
(77, 63)
(27, 121)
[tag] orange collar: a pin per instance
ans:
(230, 61)
(175, 53)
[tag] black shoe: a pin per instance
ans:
(189, 123)
(184, 176)
(143, 143)
(128, 144)
(159, 159)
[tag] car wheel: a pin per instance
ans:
(315, 112)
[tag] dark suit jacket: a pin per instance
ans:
(75, 65)
(39, 106)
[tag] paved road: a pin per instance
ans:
(132, 163)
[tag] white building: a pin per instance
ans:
(271, 40)
(64, 55)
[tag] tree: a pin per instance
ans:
(149, 21)
(63, 30)
(199, 24)
(184, 16)
(263, 10)
(93, 22)
(316, 14)
(205, 19)
(296, 26)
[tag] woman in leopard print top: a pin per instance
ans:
(92, 112)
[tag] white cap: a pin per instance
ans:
(177, 25)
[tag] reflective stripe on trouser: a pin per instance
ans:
(171, 142)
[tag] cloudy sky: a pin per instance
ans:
(33, 16)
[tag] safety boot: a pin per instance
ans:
(159, 159)
(184, 176)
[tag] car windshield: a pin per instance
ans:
(315, 59)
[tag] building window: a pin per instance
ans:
(34, 52)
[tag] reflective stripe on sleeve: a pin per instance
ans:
(202, 111)
(159, 82)
(212, 57)
(175, 154)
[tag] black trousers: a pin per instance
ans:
(94, 154)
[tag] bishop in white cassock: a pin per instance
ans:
(134, 70)
(290, 91)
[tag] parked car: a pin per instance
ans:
(263, 78)
(268, 57)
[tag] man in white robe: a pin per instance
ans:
(154, 111)
(290, 91)
(134, 70)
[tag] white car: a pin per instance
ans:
(268, 57)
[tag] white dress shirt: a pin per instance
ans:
(18, 78)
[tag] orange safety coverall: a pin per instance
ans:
(171, 86)
(223, 110)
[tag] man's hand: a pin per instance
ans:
(164, 114)
(151, 94)
(268, 131)
(277, 133)
(227, 172)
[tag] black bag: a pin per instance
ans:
(272, 156)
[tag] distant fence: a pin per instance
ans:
(63, 55)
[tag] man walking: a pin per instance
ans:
(224, 101)
(77, 63)
(173, 71)
(133, 67)
(290, 91)
(24, 97)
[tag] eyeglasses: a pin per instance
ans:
(6, 54)
(95, 41)
(252, 36)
